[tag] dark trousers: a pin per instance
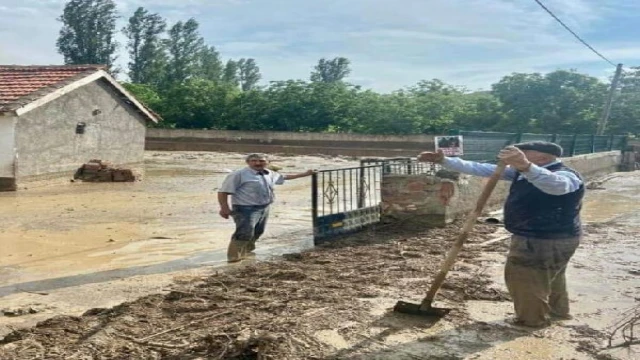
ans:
(535, 277)
(251, 221)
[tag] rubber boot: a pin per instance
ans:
(236, 251)
(251, 246)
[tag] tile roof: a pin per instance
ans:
(19, 85)
(22, 85)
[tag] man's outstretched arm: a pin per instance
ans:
(300, 175)
(475, 168)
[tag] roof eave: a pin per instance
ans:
(87, 79)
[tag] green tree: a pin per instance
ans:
(199, 104)
(88, 32)
(210, 66)
(333, 70)
(625, 111)
(148, 96)
(248, 74)
(230, 73)
(185, 46)
(146, 51)
(250, 110)
(558, 102)
(479, 111)
(436, 105)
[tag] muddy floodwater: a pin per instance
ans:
(165, 223)
(69, 248)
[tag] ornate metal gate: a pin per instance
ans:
(345, 200)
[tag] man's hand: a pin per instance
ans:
(225, 212)
(310, 172)
(432, 157)
(515, 158)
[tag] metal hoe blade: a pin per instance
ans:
(416, 309)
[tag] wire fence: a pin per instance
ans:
(483, 146)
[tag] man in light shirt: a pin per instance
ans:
(542, 212)
(252, 192)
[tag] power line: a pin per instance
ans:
(573, 33)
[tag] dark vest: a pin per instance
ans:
(532, 213)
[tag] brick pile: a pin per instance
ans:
(104, 171)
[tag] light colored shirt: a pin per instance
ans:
(553, 183)
(250, 187)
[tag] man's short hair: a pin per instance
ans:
(256, 156)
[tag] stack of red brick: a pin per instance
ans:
(103, 171)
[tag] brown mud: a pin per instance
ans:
(335, 301)
(286, 309)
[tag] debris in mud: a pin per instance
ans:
(21, 311)
(104, 171)
(626, 328)
(267, 310)
(597, 183)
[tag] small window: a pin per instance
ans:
(80, 128)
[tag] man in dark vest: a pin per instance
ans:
(542, 212)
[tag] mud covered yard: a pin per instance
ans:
(331, 303)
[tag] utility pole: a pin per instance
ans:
(602, 125)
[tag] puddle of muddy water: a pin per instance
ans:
(620, 197)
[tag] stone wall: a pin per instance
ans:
(48, 146)
(293, 143)
(413, 199)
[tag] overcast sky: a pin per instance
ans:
(391, 43)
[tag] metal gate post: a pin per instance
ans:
(573, 145)
(314, 203)
(611, 138)
(361, 185)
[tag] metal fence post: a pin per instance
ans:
(625, 143)
(554, 138)
(361, 185)
(593, 143)
(611, 138)
(573, 145)
(518, 138)
(314, 203)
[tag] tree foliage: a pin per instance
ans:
(333, 70)
(184, 46)
(185, 80)
(88, 32)
(248, 74)
(209, 64)
(230, 73)
(147, 57)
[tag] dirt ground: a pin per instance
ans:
(332, 302)
(83, 228)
